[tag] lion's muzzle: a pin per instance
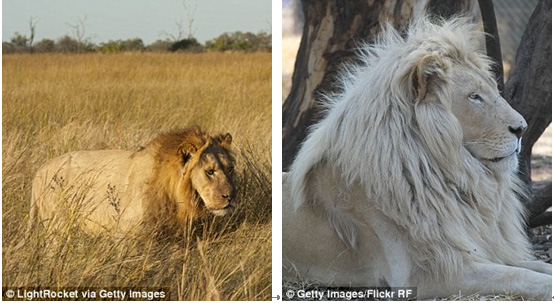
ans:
(227, 209)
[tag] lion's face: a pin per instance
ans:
(492, 129)
(212, 179)
(212, 176)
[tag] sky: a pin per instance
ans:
(125, 19)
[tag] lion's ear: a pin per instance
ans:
(225, 140)
(186, 150)
(426, 75)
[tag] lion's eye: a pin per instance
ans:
(210, 172)
(475, 97)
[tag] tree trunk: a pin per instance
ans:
(332, 30)
(492, 41)
(529, 89)
(542, 200)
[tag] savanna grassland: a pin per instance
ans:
(56, 103)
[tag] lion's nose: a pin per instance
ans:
(518, 131)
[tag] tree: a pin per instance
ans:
(45, 46)
(529, 91)
(240, 41)
(263, 41)
(159, 46)
(178, 36)
(8, 48)
(79, 31)
(190, 19)
(67, 44)
(186, 45)
(333, 28)
(133, 45)
(32, 29)
(19, 42)
(223, 42)
(111, 47)
(180, 27)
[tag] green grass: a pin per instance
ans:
(53, 104)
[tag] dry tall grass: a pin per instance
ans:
(53, 104)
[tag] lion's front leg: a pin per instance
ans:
(538, 266)
(490, 279)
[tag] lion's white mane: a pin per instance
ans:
(409, 156)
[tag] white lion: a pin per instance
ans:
(410, 178)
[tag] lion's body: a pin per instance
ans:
(83, 177)
(410, 178)
(120, 190)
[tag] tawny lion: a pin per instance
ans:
(179, 176)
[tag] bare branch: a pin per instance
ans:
(32, 29)
(79, 31)
(178, 36)
(190, 18)
(180, 25)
